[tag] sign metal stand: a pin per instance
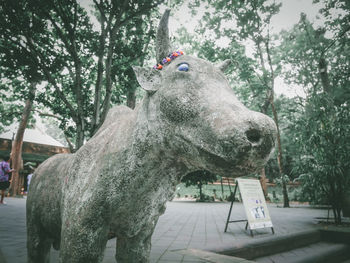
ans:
(241, 220)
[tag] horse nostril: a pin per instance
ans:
(253, 135)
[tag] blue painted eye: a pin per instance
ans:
(183, 67)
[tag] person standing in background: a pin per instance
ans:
(29, 178)
(5, 171)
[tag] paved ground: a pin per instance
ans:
(184, 225)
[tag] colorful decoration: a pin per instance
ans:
(168, 59)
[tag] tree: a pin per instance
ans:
(16, 152)
(320, 64)
(134, 42)
(113, 17)
(75, 59)
(199, 178)
(324, 145)
(53, 42)
(20, 79)
(9, 108)
(25, 27)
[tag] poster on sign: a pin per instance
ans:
(254, 203)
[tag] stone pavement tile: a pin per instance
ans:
(299, 252)
(196, 244)
(178, 245)
(170, 234)
(171, 256)
(287, 257)
(278, 259)
(199, 237)
(183, 239)
(192, 259)
(54, 256)
(213, 257)
(167, 261)
(165, 242)
(212, 230)
(154, 257)
(186, 233)
(213, 238)
(159, 249)
(109, 257)
(266, 260)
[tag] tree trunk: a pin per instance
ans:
(80, 109)
(70, 145)
(322, 69)
(131, 87)
(108, 78)
(323, 72)
(271, 99)
(222, 189)
(279, 157)
(229, 186)
(337, 204)
(80, 135)
(16, 152)
(100, 68)
(200, 191)
(131, 93)
(263, 184)
(337, 214)
(285, 194)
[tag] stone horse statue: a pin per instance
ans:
(120, 180)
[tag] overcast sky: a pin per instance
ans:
(289, 15)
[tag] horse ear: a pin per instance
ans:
(162, 38)
(224, 65)
(149, 79)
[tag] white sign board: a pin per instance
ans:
(254, 203)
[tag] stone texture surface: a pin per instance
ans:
(121, 178)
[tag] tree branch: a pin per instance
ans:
(140, 12)
(335, 40)
(49, 77)
(100, 9)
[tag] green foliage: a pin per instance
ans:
(301, 50)
(324, 145)
(321, 138)
(83, 70)
(290, 110)
(208, 190)
(12, 105)
(199, 178)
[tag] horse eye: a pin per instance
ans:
(183, 67)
